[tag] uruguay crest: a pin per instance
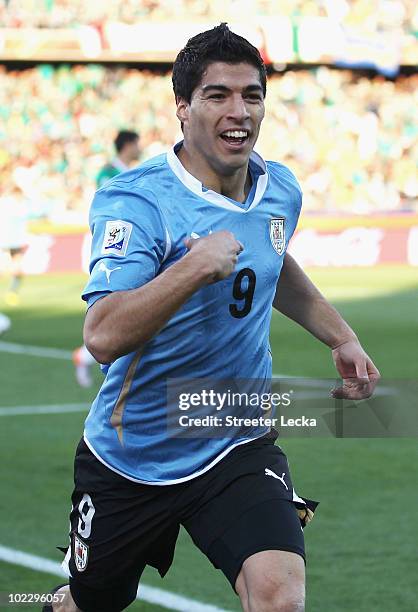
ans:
(277, 234)
(81, 554)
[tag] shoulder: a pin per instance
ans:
(280, 172)
(138, 184)
(108, 170)
(132, 195)
(143, 176)
(105, 173)
(283, 179)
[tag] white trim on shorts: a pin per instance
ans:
(177, 480)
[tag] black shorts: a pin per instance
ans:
(241, 506)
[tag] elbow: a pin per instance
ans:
(98, 347)
(106, 349)
(97, 338)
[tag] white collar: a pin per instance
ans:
(118, 163)
(213, 197)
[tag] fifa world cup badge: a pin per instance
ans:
(116, 237)
(277, 234)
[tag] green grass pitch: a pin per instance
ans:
(361, 549)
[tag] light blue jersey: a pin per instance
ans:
(139, 221)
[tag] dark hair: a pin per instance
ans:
(216, 45)
(123, 138)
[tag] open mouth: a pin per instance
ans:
(235, 137)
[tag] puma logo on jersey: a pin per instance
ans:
(108, 271)
(268, 472)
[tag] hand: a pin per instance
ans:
(217, 252)
(360, 375)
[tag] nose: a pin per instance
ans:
(237, 108)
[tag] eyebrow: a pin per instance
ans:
(219, 87)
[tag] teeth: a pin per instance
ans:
(235, 134)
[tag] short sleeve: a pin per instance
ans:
(128, 241)
(287, 184)
(295, 189)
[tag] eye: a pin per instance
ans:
(217, 96)
(253, 97)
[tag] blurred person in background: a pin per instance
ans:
(5, 323)
(128, 151)
(13, 235)
(83, 362)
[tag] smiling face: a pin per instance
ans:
(222, 121)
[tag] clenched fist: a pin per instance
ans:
(218, 253)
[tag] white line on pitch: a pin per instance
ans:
(43, 351)
(51, 409)
(54, 353)
(36, 351)
(72, 408)
(153, 595)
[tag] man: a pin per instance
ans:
(187, 253)
(14, 235)
(5, 323)
(127, 148)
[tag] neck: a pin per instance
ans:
(235, 185)
(124, 159)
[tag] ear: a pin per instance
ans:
(182, 111)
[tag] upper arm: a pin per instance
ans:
(289, 207)
(285, 277)
(129, 241)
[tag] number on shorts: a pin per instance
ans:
(86, 511)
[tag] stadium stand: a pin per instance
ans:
(364, 15)
(350, 139)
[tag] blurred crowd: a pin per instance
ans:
(371, 16)
(351, 140)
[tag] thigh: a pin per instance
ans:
(272, 525)
(116, 528)
(247, 508)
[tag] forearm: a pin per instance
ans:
(298, 298)
(125, 321)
